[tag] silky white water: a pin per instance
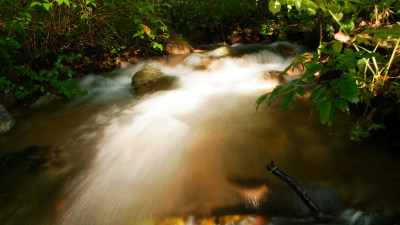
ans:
(143, 161)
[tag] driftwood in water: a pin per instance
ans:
(316, 212)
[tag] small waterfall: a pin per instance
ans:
(145, 154)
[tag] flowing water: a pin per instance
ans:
(198, 150)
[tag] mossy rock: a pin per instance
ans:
(151, 79)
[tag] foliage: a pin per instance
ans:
(42, 41)
(344, 74)
(215, 15)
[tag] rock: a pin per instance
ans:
(286, 50)
(6, 122)
(176, 45)
(45, 100)
(246, 36)
(275, 76)
(151, 79)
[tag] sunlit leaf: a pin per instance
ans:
(146, 29)
(274, 6)
(35, 3)
(298, 4)
(337, 46)
(47, 6)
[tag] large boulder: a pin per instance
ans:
(151, 79)
(6, 122)
(176, 45)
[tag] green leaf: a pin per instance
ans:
(347, 25)
(317, 91)
(47, 6)
(366, 97)
(298, 5)
(361, 40)
(337, 46)
(274, 6)
(285, 89)
(261, 99)
(327, 112)
(341, 104)
(348, 89)
(384, 33)
(35, 3)
(288, 100)
(311, 69)
(311, 7)
(274, 94)
(301, 90)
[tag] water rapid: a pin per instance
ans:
(198, 149)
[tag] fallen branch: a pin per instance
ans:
(316, 212)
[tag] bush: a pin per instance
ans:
(41, 42)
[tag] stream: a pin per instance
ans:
(197, 150)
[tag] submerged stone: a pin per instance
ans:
(6, 121)
(33, 159)
(151, 79)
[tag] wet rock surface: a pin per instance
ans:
(175, 44)
(151, 79)
(6, 121)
